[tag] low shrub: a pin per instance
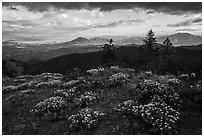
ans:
(86, 118)
(52, 108)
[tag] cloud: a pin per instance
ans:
(149, 12)
(188, 22)
(187, 29)
(23, 23)
(13, 8)
(166, 7)
(109, 24)
(120, 22)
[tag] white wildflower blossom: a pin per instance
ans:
(86, 117)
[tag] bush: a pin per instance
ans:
(157, 104)
(86, 99)
(86, 118)
(149, 88)
(160, 115)
(52, 108)
(8, 89)
(66, 94)
(118, 79)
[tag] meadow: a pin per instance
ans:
(103, 101)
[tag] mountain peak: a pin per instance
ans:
(80, 39)
(179, 33)
(180, 39)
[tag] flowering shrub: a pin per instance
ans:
(148, 88)
(101, 69)
(128, 107)
(49, 84)
(115, 68)
(66, 94)
(7, 89)
(173, 81)
(85, 118)
(95, 82)
(149, 73)
(131, 86)
(52, 108)
(144, 75)
(118, 79)
(193, 75)
(165, 78)
(23, 86)
(93, 71)
(160, 115)
(50, 76)
(27, 85)
(19, 80)
(184, 76)
(28, 91)
(157, 104)
(25, 77)
(57, 75)
(70, 83)
(86, 99)
(157, 113)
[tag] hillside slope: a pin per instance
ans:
(182, 39)
(102, 101)
(133, 56)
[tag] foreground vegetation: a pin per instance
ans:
(105, 100)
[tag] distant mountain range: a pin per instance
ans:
(178, 39)
(24, 51)
(182, 39)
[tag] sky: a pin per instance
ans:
(53, 21)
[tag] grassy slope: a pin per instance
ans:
(17, 119)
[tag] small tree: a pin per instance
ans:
(109, 46)
(167, 45)
(108, 54)
(149, 43)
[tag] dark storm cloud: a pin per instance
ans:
(166, 7)
(186, 22)
(9, 6)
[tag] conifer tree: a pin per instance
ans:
(149, 43)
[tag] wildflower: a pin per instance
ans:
(53, 106)
(87, 98)
(116, 68)
(93, 71)
(27, 91)
(7, 89)
(193, 74)
(118, 78)
(86, 117)
(174, 81)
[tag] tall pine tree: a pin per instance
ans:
(149, 44)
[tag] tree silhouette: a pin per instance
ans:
(167, 45)
(108, 54)
(109, 46)
(149, 44)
